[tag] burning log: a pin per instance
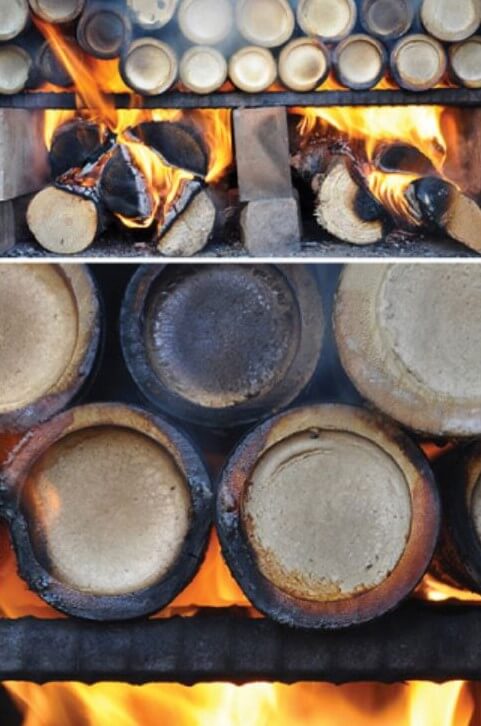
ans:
(206, 22)
(152, 14)
(440, 206)
(64, 222)
(344, 209)
(295, 516)
(50, 67)
(450, 21)
(191, 228)
(268, 23)
(109, 510)
(408, 339)
(75, 144)
(14, 18)
(253, 69)
(203, 69)
(123, 188)
(303, 64)
(24, 164)
(458, 558)
(50, 332)
(465, 62)
(57, 11)
(103, 30)
(253, 343)
(418, 62)
(403, 158)
(329, 20)
(360, 62)
(15, 68)
(149, 66)
(178, 145)
(387, 19)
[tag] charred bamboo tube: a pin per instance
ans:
(253, 69)
(64, 222)
(451, 21)
(152, 14)
(465, 62)
(14, 18)
(303, 64)
(109, 510)
(329, 20)
(418, 62)
(253, 340)
(57, 11)
(149, 66)
(268, 23)
(50, 334)
(15, 69)
(202, 69)
(387, 19)
(206, 22)
(328, 516)
(50, 68)
(408, 339)
(458, 557)
(103, 31)
(360, 62)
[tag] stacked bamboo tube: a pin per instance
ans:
(254, 43)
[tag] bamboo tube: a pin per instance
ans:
(338, 565)
(51, 68)
(465, 62)
(408, 339)
(267, 23)
(149, 66)
(152, 14)
(360, 62)
(206, 22)
(14, 17)
(387, 19)
(103, 31)
(303, 64)
(329, 20)
(418, 62)
(15, 67)
(451, 20)
(253, 69)
(203, 69)
(50, 336)
(57, 11)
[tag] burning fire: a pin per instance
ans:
(418, 126)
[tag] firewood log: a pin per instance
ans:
(191, 230)
(76, 143)
(178, 144)
(123, 188)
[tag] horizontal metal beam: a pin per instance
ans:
(438, 96)
(418, 642)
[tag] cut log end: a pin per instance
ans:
(337, 207)
(61, 222)
(192, 230)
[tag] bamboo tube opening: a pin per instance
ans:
(303, 64)
(360, 62)
(418, 62)
(15, 67)
(329, 20)
(149, 66)
(253, 69)
(103, 32)
(268, 23)
(465, 59)
(152, 14)
(14, 16)
(387, 18)
(203, 69)
(206, 22)
(451, 20)
(57, 11)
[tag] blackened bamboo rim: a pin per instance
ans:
(107, 607)
(304, 287)
(80, 284)
(363, 607)
(368, 362)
